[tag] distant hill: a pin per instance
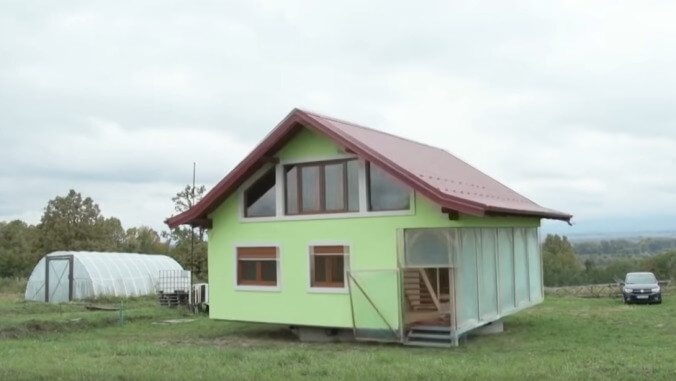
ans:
(625, 247)
(604, 251)
(633, 228)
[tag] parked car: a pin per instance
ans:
(641, 287)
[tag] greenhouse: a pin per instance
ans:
(63, 276)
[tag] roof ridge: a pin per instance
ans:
(369, 128)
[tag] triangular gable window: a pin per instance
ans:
(259, 198)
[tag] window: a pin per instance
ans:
(257, 266)
(384, 192)
(259, 198)
(328, 187)
(640, 278)
(327, 266)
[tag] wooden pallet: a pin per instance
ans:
(179, 298)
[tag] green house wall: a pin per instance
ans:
(372, 241)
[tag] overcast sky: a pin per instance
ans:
(571, 103)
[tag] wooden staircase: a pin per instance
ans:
(417, 292)
(428, 319)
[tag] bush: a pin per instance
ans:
(13, 285)
(663, 265)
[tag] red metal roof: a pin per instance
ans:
(435, 173)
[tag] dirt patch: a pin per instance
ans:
(10, 333)
(173, 321)
(265, 338)
(39, 327)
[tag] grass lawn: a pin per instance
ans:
(563, 338)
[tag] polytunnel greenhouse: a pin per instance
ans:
(63, 276)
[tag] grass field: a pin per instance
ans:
(564, 338)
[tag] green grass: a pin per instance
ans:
(564, 338)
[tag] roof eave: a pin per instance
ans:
(201, 210)
(553, 215)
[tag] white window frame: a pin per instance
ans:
(240, 287)
(241, 198)
(347, 265)
(280, 195)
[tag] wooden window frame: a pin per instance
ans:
(320, 187)
(341, 251)
(258, 255)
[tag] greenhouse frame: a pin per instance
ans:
(64, 276)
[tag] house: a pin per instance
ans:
(328, 224)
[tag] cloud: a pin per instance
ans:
(568, 102)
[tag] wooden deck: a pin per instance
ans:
(434, 317)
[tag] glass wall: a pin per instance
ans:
(467, 280)
(488, 289)
(506, 266)
(534, 265)
(430, 247)
(375, 307)
(498, 270)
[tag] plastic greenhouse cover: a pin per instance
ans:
(97, 274)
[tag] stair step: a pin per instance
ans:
(430, 336)
(436, 328)
(417, 343)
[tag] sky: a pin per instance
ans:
(572, 104)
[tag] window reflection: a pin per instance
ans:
(386, 193)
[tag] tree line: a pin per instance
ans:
(562, 266)
(625, 247)
(75, 223)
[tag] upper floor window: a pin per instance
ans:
(259, 198)
(326, 187)
(385, 192)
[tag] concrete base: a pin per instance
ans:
(323, 335)
(490, 328)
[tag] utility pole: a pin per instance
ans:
(192, 229)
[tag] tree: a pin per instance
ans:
(188, 245)
(560, 266)
(75, 223)
(188, 197)
(662, 265)
(18, 252)
(143, 240)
